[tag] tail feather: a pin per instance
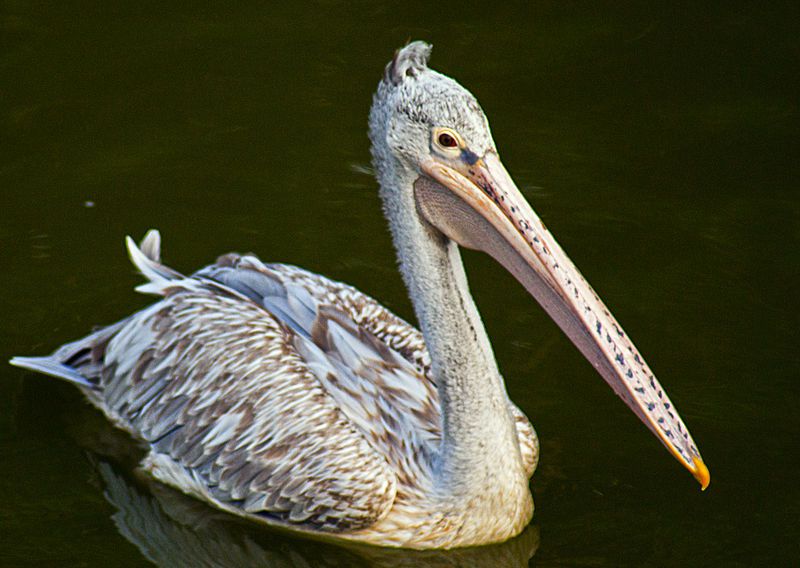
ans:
(79, 362)
(150, 245)
(147, 259)
(51, 366)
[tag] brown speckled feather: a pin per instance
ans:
(406, 340)
(202, 376)
(372, 324)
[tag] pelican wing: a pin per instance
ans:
(231, 410)
(373, 363)
(365, 358)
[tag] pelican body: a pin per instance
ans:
(296, 401)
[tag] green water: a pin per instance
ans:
(660, 145)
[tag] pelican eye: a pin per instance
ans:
(447, 141)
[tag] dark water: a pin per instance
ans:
(659, 144)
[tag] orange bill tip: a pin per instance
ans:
(701, 473)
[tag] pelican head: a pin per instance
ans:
(420, 116)
(438, 167)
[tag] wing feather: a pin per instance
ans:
(355, 345)
(231, 410)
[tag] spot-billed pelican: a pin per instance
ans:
(287, 398)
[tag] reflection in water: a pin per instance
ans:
(172, 529)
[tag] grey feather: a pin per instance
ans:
(151, 245)
(50, 366)
(408, 62)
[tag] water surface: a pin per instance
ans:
(659, 144)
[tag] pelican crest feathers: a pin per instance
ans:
(408, 62)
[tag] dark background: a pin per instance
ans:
(659, 143)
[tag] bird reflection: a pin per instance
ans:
(173, 530)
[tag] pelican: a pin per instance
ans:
(287, 398)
